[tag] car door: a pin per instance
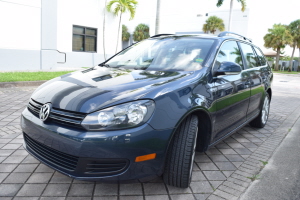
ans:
(233, 92)
(255, 70)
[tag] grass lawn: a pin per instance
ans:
(285, 72)
(29, 76)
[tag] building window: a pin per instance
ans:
(84, 39)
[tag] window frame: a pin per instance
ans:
(215, 57)
(84, 38)
(254, 52)
(254, 48)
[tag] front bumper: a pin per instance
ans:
(96, 156)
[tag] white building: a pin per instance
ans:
(47, 34)
(177, 16)
(51, 34)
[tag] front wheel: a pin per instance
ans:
(181, 154)
(261, 120)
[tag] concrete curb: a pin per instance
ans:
(20, 84)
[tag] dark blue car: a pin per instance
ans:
(144, 112)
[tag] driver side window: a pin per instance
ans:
(229, 52)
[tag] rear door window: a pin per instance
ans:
(260, 56)
(249, 55)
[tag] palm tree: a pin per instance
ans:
(277, 38)
(294, 28)
(243, 4)
(205, 28)
(213, 24)
(120, 7)
(141, 32)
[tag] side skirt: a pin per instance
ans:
(233, 131)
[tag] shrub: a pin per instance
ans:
(141, 32)
(125, 33)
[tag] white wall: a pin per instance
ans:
(239, 20)
(19, 59)
(145, 14)
(20, 24)
(20, 34)
(88, 13)
(181, 16)
(176, 16)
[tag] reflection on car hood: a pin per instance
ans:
(95, 88)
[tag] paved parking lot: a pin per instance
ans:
(223, 172)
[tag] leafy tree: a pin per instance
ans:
(119, 7)
(243, 4)
(285, 58)
(212, 24)
(277, 38)
(141, 32)
(294, 28)
(125, 33)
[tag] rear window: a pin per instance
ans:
(173, 53)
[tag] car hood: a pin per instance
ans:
(96, 88)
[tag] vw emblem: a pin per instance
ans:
(45, 111)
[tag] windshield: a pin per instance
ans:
(172, 53)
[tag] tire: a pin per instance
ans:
(181, 154)
(261, 120)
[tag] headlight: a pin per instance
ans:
(121, 116)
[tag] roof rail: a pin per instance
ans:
(160, 35)
(231, 33)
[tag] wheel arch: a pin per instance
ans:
(204, 128)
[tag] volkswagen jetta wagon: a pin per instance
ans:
(145, 111)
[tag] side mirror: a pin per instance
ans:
(228, 68)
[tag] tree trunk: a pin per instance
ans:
(104, 31)
(291, 61)
(277, 59)
(230, 12)
(118, 32)
(157, 17)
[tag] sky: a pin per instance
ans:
(263, 14)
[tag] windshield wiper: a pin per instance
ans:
(104, 65)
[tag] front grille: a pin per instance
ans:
(107, 166)
(53, 156)
(57, 115)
